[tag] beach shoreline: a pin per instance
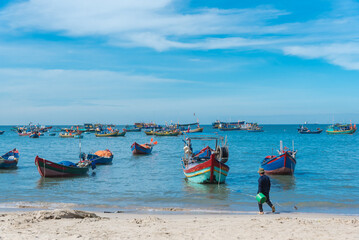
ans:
(75, 224)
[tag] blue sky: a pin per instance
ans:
(75, 61)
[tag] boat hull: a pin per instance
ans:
(210, 171)
(113, 134)
(138, 149)
(350, 131)
(283, 164)
(5, 163)
(99, 160)
(50, 169)
(310, 132)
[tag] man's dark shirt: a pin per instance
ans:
(264, 185)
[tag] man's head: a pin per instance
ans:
(261, 171)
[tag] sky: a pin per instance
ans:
(116, 61)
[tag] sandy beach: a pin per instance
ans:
(72, 224)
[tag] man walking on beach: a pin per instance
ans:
(264, 187)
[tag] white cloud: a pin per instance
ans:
(162, 25)
(344, 55)
(155, 24)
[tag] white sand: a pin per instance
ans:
(70, 224)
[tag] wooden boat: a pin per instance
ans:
(167, 133)
(127, 129)
(10, 159)
(34, 135)
(66, 135)
(145, 148)
(121, 134)
(107, 134)
(207, 165)
(230, 128)
(101, 157)
(200, 129)
(304, 130)
(23, 134)
(150, 132)
(341, 129)
(2, 132)
(62, 169)
(283, 164)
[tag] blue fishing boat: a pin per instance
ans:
(2, 132)
(10, 159)
(283, 164)
(101, 157)
(304, 130)
(145, 148)
(34, 135)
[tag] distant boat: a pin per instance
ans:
(52, 134)
(10, 159)
(107, 134)
(2, 132)
(34, 135)
(24, 134)
(62, 169)
(78, 136)
(207, 165)
(341, 129)
(304, 130)
(128, 129)
(152, 132)
(101, 157)
(283, 164)
(167, 133)
(121, 134)
(66, 135)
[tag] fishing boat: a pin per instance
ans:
(342, 129)
(304, 130)
(231, 126)
(66, 135)
(283, 164)
(167, 133)
(145, 148)
(34, 135)
(152, 132)
(207, 165)
(52, 134)
(253, 127)
(101, 157)
(24, 134)
(47, 168)
(107, 134)
(121, 134)
(10, 159)
(129, 129)
(2, 132)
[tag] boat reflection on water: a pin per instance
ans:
(48, 183)
(286, 182)
(210, 191)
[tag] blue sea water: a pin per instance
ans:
(326, 178)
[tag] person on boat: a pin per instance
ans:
(264, 187)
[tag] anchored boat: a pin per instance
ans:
(283, 164)
(62, 169)
(207, 165)
(10, 159)
(341, 129)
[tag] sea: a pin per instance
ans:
(326, 178)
